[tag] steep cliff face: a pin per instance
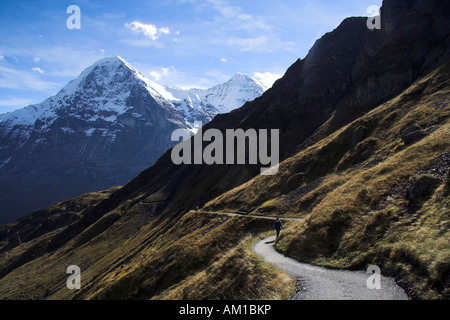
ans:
(394, 12)
(413, 40)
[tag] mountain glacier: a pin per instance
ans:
(204, 104)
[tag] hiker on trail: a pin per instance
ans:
(277, 225)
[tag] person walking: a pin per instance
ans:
(277, 225)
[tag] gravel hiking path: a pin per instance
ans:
(319, 283)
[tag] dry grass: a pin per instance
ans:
(223, 280)
(159, 259)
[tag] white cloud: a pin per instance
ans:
(36, 69)
(247, 44)
(234, 16)
(267, 79)
(150, 31)
(224, 60)
(17, 79)
(162, 72)
(13, 103)
(1, 56)
(142, 43)
(67, 62)
(164, 30)
(244, 31)
(155, 75)
(170, 76)
(228, 11)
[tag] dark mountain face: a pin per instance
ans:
(414, 40)
(101, 130)
(347, 72)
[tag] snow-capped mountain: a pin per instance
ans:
(103, 128)
(204, 104)
(100, 94)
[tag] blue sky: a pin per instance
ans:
(184, 43)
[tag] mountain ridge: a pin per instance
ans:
(26, 116)
(204, 104)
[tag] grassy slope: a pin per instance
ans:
(37, 229)
(158, 258)
(222, 280)
(366, 196)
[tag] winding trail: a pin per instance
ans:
(235, 214)
(320, 283)
(326, 284)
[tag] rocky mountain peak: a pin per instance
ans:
(240, 78)
(101, 73)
